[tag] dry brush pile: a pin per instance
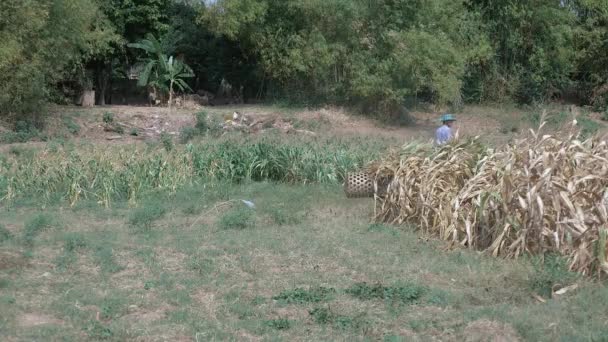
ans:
(541, 194)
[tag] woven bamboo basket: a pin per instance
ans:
(361, 185)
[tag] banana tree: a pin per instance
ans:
(173, 73)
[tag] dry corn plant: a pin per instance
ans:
(541, 194)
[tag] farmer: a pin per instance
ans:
(444, 133)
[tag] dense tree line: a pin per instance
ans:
(373, 54)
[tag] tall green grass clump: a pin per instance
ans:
(127, 173)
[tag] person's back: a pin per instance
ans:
(444, 133)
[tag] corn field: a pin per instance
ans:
(541, 194)
(127, 173)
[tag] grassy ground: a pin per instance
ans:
(305, 264)
(197, 264)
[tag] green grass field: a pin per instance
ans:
(305, 264)
(154, 243)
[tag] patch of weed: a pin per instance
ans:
(36, 225)
(550, 270)
(324, 316)
(278, 324)
(74, 241)
(112, 307)
(201, 264)
(71, 125)
(186, 134)
(237, 218)
(167, 140)
(301, 296)
(104, 257)
(145, 216)
(282, 216)
(108, 118)
(5, 234)
(588, 126)
(98, 331)
(321, 315)
(404, 294)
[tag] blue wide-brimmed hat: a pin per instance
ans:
(448, 117)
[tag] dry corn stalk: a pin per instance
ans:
(540, 194)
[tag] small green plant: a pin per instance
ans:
(5, 234)
(35, 226)
(108, 118)
(134, 132)
(301, 296)
(278, 324)
(550, 270)
(145, 216)
(404, 294)
(167, 141)
(237, 218)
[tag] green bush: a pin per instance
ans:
(238, 218)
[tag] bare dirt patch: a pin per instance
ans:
(30, 320)
(11, 260)
(485, 330)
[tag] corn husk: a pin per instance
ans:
(541, 194)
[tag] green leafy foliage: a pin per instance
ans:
(302, 296)
(405, 294)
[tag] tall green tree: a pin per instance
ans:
(43, 43)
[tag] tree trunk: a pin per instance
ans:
(170, 95)
(103, 78)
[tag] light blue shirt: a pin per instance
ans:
(443, 135)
